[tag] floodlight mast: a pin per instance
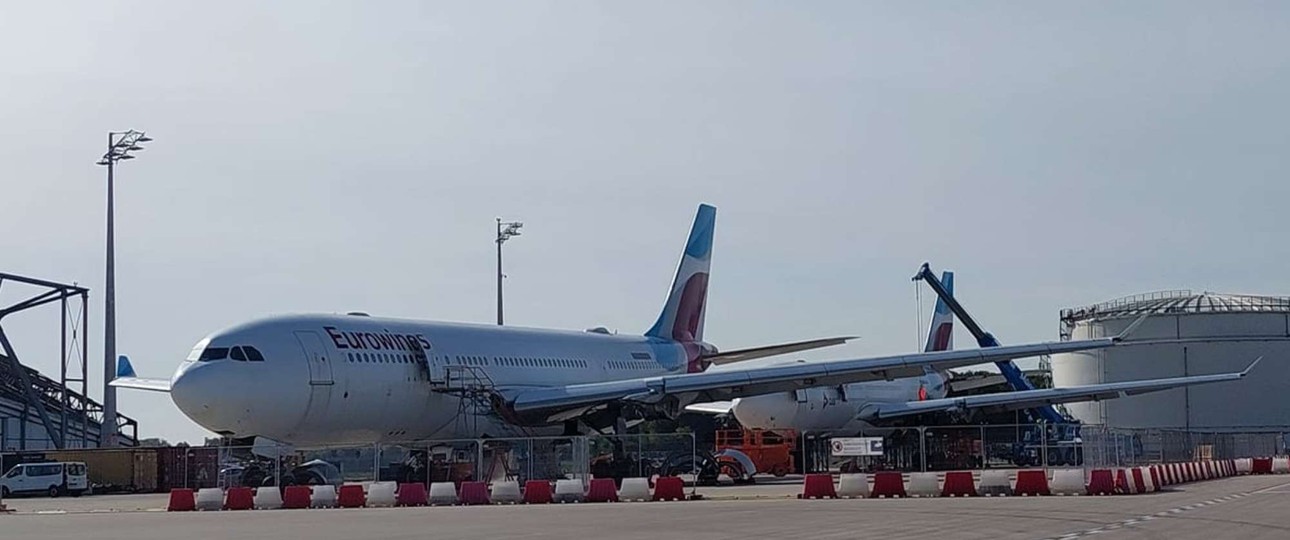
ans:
(505, 230)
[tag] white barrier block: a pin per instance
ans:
(853, 486)
(1244, 466)
(268, 498)
(1281, 465)
(443, 493)
(210, 499)
(1148, 485)
(323, 497)
(505, 491)
(994, 482)
(634, 489)
(382, 494)
(923, 484)
(567, 490)
(1067, 482)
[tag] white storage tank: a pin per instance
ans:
(1184, 334)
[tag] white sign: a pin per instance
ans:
(857, 446)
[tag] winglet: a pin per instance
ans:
(123, 367)
(1131, 328)
(1251, 366)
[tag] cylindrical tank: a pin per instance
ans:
(1184, 334)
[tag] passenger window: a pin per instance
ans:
(14, 472)
(213, 353)
(237, 354)
(253, 354)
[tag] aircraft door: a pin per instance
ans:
(316, 355)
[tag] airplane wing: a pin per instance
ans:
(1008, 401)
(540, 405)
(730, 357)
(126, 378)
(714, 407)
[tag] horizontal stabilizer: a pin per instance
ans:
(126, 378)
(713, 407)
(740, 355)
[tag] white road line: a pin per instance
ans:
(1134, 521)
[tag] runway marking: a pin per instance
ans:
(1164, 513)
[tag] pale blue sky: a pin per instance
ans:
(352, 156)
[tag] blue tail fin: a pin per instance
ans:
(123, 367)
(682, 316)
(940, 334)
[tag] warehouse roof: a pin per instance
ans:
(1181, 301)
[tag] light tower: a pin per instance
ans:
(119, 146)
(505, 230)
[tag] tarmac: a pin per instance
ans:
(1247, 507)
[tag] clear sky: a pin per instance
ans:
(324, 156)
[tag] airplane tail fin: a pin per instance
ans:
(682, 316)
(123, 367)
(940, 335)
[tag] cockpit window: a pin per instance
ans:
(213, 353)
(253, 354)
(237, 354)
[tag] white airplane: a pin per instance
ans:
(316, 380)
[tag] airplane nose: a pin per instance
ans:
(196, 390)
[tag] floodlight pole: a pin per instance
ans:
(119, 146)
(512, 228)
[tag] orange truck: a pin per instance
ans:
(742, 453)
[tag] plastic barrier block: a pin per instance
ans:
(567, 490)
(669, 488)
(268, 498)
(922, 484)
(1032, 482)
(239, 498)
(1244, 465)
(888, 484)
(602, 490)
(1281, 465)
(1175, 477)
(210, 499)
(296, 497)
(994, 482)
(818, 486)
(1101, 482)
(1154, 473)
(351, 496)
(443, 493)
(634, 489)
(474, 493)
(411, 494)
(505, 491)
(1139, 485)
(1068, 482)
(959, 484)
(182, 500)
(1261, 466)
(1208, 466)
(382, 494)
(538, 492)
(1144, 476)
(853, 485)
(323, 497)
(1123, 485)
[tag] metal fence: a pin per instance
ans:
(940, 448)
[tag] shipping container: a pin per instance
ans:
(115, 469)
(192, 467)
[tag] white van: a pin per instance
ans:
(53, 479)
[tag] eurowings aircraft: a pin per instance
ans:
(314, 380)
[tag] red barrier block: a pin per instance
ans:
(182, 500)
(1139, 486)
(1261, 465)
(1032, 482)
(296, 497)
(888, 484)
(958, 484)
(1155, 477)
(411, 494)
(818, 486)
(669, 488)
(1101, 482)
(351, 496)
(474, 493)
(239, 498)
(537, 492)
(1122, 483)
(602, 490)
